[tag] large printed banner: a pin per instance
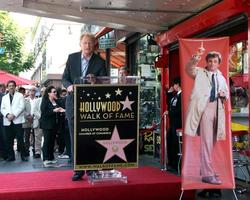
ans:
(207, 148)
(106, 126)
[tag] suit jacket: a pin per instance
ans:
(1, 116)
(1, 96)
(16, 108)
(27, 113)
(200, 97)
(174, 108)
(72, 73)
(36, 112)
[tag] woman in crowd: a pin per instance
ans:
(50, 108)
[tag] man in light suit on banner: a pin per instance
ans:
(206, 113)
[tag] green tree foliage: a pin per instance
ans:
(14, 59)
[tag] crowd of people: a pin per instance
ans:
(31, 116)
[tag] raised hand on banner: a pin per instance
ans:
(201, 50)
(199, 53)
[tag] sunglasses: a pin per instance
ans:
(53, 92)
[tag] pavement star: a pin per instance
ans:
(127, 103)
(107, 96)
(115, 146)
(118, 91)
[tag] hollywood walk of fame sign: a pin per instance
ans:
(106, 126)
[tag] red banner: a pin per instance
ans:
(207, 148)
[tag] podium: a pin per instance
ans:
(106, 118)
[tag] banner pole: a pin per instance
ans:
(182, 191)
(165, 161)
(235, 195)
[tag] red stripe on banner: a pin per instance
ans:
(205, 168)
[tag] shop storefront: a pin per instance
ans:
(220, 20)
(145, 50)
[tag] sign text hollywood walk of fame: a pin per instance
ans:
(106, 126)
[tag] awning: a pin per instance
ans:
(117, 54)
(5, 77)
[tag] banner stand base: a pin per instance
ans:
(182, 191)
(235, 195)
(107, 176)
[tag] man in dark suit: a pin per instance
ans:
(80, 64)
(175, 122)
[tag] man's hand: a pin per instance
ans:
(196, 58)
(171, 89)
(91, 78)
(10, 117)
(221, 94)
(201, 51)
(70, 88)
(29, 118)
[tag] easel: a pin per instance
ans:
(165, 159)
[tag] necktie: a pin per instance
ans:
(84, 67)
(11, 98)
(212, 93)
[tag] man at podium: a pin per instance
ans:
(79, 65)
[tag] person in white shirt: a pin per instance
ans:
(12, 108)
(36, 113)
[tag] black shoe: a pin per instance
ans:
(37, 155)
(23, 158)
(203, 193)
(215, 193)
(90, 172)
(210, 193)
(9, 159)
(77, 176)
